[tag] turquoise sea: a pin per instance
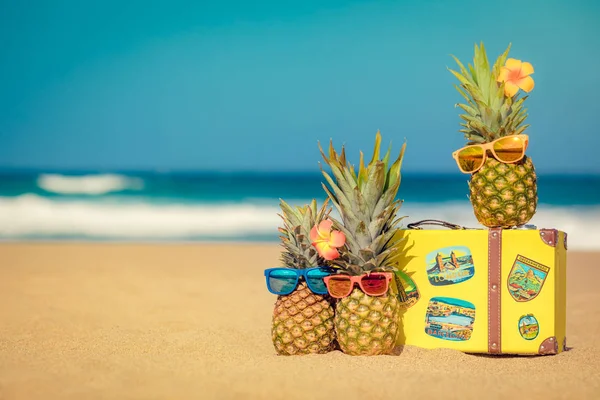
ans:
(207, 206)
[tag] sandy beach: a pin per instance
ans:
(192, 321)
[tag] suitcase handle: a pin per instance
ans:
(418, 224)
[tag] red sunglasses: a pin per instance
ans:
(373, 284)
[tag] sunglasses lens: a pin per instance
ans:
(471, 158)
(314, 279)
(339, 286)
(374, 284)
(282, 281)
(509, 149)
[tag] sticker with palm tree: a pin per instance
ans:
(526, 278)
(407, 289)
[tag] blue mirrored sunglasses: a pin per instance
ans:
(282, 281)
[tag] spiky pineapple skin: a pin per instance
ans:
(367, 325)
(504, 195)
(303, 323)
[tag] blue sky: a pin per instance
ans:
(238, 85)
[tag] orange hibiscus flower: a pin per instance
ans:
(515, 75)
(326, 240)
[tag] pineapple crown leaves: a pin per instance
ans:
(295, 234)
(489, 114)
(365, 200)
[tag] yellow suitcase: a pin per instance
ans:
(496, 291)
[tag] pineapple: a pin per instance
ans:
(302, 320)
(502, 195)
(366, 325)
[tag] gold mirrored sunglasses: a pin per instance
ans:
(508, 149)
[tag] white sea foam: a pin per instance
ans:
(31, 215)
(88, 184)
(34, 215)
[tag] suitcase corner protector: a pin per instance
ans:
(549, 236)
(549, 346)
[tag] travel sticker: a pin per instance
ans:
(526, 278)
(529, 327)
(411, 292)
(450, 265)
(450, 319)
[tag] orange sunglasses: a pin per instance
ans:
(373, 284)
(508, 149)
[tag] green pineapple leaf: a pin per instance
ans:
(462, 68)
(464, 95)
(375, 181)
(463, 80)
(521, 129)
(339, 200)
(470, 110)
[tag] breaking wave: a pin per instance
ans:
(88, 184)
(32, 216)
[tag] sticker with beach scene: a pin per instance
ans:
(450, 265)
(526, 278)
(449, 318)
(529, 327)
(411, 292)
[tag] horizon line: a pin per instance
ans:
(196, 171)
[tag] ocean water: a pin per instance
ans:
(244, 206)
